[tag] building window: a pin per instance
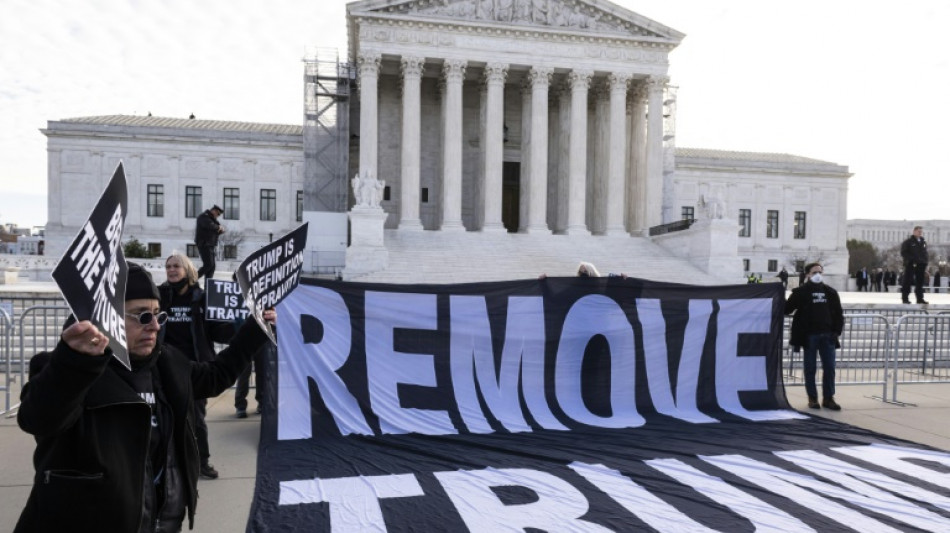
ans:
(745, 265)
(299, 206)
(191, 250)
(687, 212)
(192, 202)
(230, 251)
(773, 265)
(800, 265)
(771, 224)
(386, 193)
(800, 219)
(268, 204)
(745, 223)
(232, 203)
(156, 200)
(425, 195)
(155, 249)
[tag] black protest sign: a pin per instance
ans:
(224, 301)
(268, 275)
(92, 272)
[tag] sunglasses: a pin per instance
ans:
(146, 317)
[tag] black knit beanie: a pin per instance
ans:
(139, 284)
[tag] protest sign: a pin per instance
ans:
(224, 301)
(268, 275)
(91, 273)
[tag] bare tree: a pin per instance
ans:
(230, 244)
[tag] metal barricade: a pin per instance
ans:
(39, 329)
(921, 351)
(862, 358)
(6, 356)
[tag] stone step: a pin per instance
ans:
(461, 257)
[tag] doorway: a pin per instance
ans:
(511, 196)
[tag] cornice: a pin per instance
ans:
(482, 28)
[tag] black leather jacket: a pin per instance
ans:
(92, 433)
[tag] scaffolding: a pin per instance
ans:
(327, 84)
(326, 149)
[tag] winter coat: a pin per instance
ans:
(92, 433)
(914, 251)
(206, 229)
(203, 333)
(800, 303)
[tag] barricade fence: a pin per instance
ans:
(6, 357)
(887, 347)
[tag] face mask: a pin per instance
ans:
(816, 278)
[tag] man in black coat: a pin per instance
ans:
(207, 230)
(914, 254)
(816, 327)
(115, 449)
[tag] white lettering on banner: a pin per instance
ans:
(477, 381)
(747, 373)
(765, 517)
(819, 496)
(639, 501)
(657, 365)
(592, 315)
(558, 506)
(522, 355)
(386, 368)
(354, 501)
(896, 458)
(861, 480)
(226, 287)
(89, 259)
(319, 361)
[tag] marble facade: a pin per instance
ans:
(522, 116)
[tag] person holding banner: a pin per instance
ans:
(816, 326)
(207, 230)
(189, 332)
(115, 448)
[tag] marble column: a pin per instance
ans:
(562, 191)
(616, 155)
(636, 158)
(369, 111)
(579, 81)
(524, 182)
(652, 200)
(411, 112)
(494, 139)
(599, 154)
(453, 71)
(540, 79)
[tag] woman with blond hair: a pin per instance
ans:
(187, 330)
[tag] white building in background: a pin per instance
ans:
(551, 119)
(886, 234)
(176, 168)
(791, 210)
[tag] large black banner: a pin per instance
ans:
(91, 273)
(564, 404)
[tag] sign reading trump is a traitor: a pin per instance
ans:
(563, 404)
(92, 273)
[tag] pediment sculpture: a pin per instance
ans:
(546, 13)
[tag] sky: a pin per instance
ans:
(858, 83)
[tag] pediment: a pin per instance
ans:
(589, 16)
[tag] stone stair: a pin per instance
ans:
(460, 257)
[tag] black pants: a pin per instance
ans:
(207, 261)
(913, 273)
(243, 384)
